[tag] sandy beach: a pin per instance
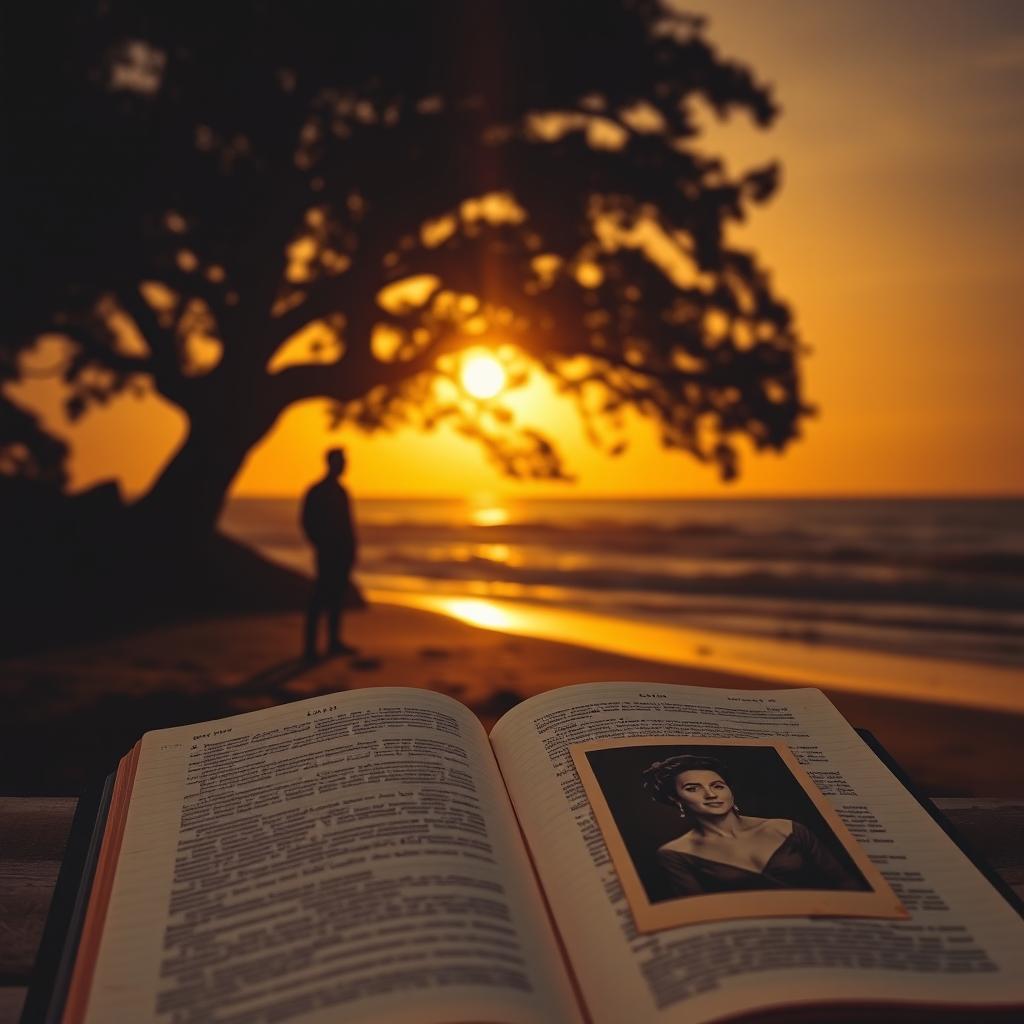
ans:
(70, 713)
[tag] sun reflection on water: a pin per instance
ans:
(498, 553)
(489, 515)
(476, 612)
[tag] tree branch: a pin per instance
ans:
(95, 342)
(164, 364)
(347, 379)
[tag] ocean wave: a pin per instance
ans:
(733, 546)
(894, 536)
(937, 578)
(887, 618)
(995, 595)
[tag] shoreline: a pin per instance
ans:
(804, 611)
(774, 662)
(73, 712)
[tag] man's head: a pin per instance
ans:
(336, 461)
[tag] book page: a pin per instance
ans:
(351, 857)
(961, 943)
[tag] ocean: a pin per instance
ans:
(927, 591)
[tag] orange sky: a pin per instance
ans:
(896, 236)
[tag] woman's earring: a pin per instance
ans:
(682, 811)
(736, 808)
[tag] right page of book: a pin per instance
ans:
(958, 943)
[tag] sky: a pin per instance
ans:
(896, 237)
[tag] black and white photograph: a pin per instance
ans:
(718, 830)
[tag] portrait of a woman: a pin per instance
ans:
(723, 849)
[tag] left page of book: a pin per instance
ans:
(352, 857)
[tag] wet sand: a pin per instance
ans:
(67, 715)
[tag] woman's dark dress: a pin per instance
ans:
(800, 862)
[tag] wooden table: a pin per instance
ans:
(33, 831)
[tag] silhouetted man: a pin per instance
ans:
(327, 523)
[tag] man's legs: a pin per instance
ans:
(318, 601)
(334, 626)
(337, 645)
(312, 621)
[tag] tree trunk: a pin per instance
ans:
(182, 507)
(171, 556)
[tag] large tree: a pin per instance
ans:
(250, 206)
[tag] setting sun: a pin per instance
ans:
(482, 375)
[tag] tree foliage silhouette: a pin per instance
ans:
(331, 201)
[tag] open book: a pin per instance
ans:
(374, 856)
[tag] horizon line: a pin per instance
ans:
(822, 496)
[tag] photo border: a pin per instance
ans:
(879, 902)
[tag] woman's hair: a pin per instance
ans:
(660, 777)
